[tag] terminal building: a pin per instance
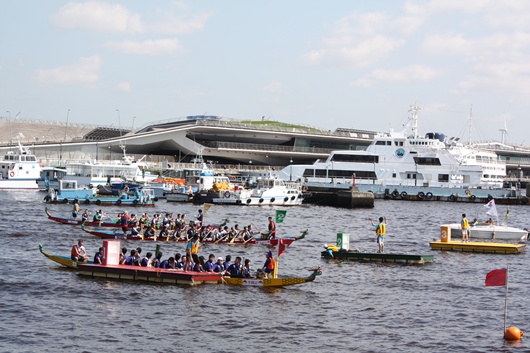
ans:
(213, 139)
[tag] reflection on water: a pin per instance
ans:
(365, 307)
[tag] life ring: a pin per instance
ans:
(421, 195)
(87, 201)
(272, 199)
(428, 195)
(452, 198)
(118, 202)
(238, 202)
(490, 197)
(403, 195)
(227, 194)
(249, 201)
(12, 174)
(260, 200)
(135, 202)
(395, 193)
(285, 199)
(98, 202)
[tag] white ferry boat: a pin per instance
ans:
(402, 163)
(19, 170)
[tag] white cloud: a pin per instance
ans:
(98, 16)
(357, 40)
(362, 82)
(146, 47)
(86, 72)
(407, 74)
(124, 86)
(273, 87)
(173, 24)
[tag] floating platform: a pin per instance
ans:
(479, 247)
(147, 274)
(380, 257)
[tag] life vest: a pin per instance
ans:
(465, 223)
(270, 265)
(195, 248)
(333, 248)
(381, 229)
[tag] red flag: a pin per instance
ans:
(496, 278)
(283, 244)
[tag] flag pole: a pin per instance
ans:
(506, 300)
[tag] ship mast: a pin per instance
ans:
(470, 123)
(414, 119)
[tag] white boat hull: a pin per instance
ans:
(18, 184)
(292, 200)
(492, 232)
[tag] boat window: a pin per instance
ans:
(443, 177)
(380, 143)
(356, 158)
(427, 161)
(393, 175)
(22, 158)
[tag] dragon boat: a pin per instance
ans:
(118, 235)
(273, 282)
(62, 260)
(71, 221)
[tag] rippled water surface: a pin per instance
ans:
(362, 307)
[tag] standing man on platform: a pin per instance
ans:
(380, 231)
(465, 228)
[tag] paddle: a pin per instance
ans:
(221, 239)
(249, 239)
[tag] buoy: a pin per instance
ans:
(513, 334)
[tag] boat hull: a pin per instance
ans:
(478, 247)
(493, 232)
(379, 257)
(71, 221)
(17, 184)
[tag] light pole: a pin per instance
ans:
(119, 120)
(132, 127)
(291, 169)
(9, 122)
(66, 126)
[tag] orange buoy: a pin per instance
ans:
(513, 334)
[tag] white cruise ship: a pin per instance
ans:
(402, 163)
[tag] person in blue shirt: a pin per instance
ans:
(227, 263)
(146, 261)
(98, 258)
(210, 264)
(235, 269)
(246, 269)
(219, 266)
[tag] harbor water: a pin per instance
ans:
(361, 307)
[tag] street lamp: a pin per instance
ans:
(291, 170)
(132, 127)
(66, 126)
(9, 120)
(119, 120)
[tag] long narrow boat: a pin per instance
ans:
(379, 257)
(273, 282)
(118, 234)
(64, 220)
(61, 260)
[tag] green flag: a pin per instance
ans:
(280, 215)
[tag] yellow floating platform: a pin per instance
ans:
(478, 246)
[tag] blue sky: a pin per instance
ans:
(329, 64)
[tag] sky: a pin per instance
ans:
(327, 64)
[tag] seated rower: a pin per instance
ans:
(218, 266)
(235, 270)
(150, 232)
(490, 222)
(123, 256)
(146, 261)
(330, 249)
(186, 263)
(135, 230)
(197, 267)
(210, 264)
(156, 261)
(97, 216)
(247, 270)
(268, 266)
(98, 257)
(85, 215)
(78, 252)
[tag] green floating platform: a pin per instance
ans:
(379, 257)
(479, 247)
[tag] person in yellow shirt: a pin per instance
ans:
(465, 228)
(380, 231)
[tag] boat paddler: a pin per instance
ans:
(380, 231)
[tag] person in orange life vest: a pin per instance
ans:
(78, 252)
(272, 229)
(268, 266)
